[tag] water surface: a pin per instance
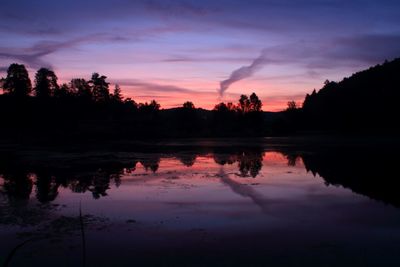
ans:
(219, 205)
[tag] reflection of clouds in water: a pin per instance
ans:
(96, 174)
(243, 190)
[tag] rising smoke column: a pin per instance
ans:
(243, 73)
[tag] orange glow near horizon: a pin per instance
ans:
(203, 95)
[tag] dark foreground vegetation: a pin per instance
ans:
(83, 110)
(86, 110)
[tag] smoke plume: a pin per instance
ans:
(243, 73)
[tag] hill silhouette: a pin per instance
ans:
(366, 101)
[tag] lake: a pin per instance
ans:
(201, 203)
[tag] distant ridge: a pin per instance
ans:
(368, 100)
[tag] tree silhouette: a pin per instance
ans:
(255, 103)
(117, 96)
(101, 92)
(252, 104)
(244, 104)
(63, 91)
(291, 105)
(188, 105)
(17, 82)
(82, 88)
(153, 106)
(130, 104)
(221, 107)
(245, 118)
(45, 83)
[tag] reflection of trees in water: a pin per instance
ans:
(358, 170)
(250, 164)
(370, 172)
(15, 208)
(292, 159)
(132, 167)
(151, 163)
(46, 187)
(100, 184)
(224, 158)
(20, 178)
(249, 161)
(187, 159)
(18, 185)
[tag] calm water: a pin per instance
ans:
(218, 205)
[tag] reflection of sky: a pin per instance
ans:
(210, 195)
(178, 50)
(206, 208)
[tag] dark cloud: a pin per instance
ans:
(152, 86)
(33, 55)
(370, 48)
(313, 53)
(336, 52)
(62, 18)
(32, 60)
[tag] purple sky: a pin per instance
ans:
(175, 51)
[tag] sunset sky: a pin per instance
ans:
(174, 51)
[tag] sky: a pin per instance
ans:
(204, 51)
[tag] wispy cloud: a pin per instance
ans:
(218, 59)
(33, 55)
(153, 87)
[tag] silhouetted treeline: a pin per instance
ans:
(367, 101)
(86, 109)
